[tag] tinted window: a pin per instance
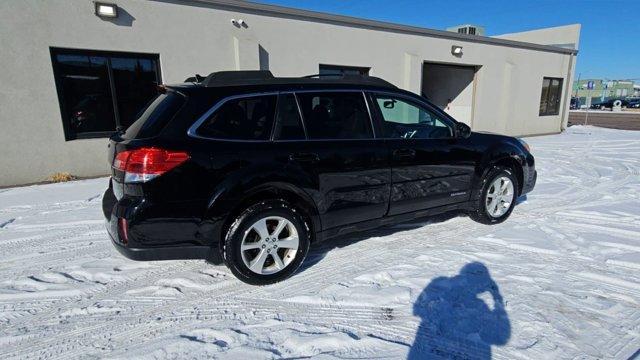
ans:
(288, 122)
(248, 118)
(100, 91)
(335, 115)
(550, 97)
(135, 81)
(155, 116)
(83, 83)
(403, 119)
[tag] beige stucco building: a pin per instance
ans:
(494, 84)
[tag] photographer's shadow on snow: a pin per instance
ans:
(462, 317)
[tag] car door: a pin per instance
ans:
(347, 168)
(430, 166)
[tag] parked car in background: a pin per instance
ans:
(608, 104)
(634, 103)
(574, 104)
(251, 169)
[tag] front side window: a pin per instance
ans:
(551, 96)
(402, 119)
(99, 91)
(335, 115)
(247, 118)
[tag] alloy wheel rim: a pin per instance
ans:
(269, 245)
(499, 197)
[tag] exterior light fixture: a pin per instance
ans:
(105, 10)
(456, 50)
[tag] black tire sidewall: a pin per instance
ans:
(490, 178)
(231, 251)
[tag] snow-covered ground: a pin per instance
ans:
(559, 279)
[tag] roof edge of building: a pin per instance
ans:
(275, 10)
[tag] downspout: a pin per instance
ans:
(567, 92)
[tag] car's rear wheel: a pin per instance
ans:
(266, 243)
(498, 196)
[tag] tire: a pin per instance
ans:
(246, 246)
(480, 212)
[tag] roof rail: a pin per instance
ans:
(194, 79)
(221, 77)
(356, 78)
(256, 77)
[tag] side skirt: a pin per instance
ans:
(389, 220)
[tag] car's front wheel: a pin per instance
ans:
(498, 196)
(266, 243)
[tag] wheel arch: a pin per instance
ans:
(225, 206)
(505, 155)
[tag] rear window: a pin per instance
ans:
(249, 118)
(155, 116)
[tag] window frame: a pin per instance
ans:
(559, 102)
(193, 129)
(413, 101)
(65, 113)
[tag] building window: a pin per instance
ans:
(101, 91)
(337, 70)
(551, 96)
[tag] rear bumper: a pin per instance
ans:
(135, 250)
(166, 253)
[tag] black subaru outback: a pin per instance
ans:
(252, 169)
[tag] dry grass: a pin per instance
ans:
(61, 177)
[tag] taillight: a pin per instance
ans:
(146, 163)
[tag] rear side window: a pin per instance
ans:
(288, 122)
(335, 115)
(153, 118)
(249, 118)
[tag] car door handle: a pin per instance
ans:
(404, 153)
(304, 157)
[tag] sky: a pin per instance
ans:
(609, 39)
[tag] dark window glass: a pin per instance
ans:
(288, 122)
(335, 115)
(248, 118)
(550, 96)
(84, 83)
(155, 116)
(88, 81)
(135, 82)
(329, 70)
(403, 119)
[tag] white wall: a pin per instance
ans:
(200, 39)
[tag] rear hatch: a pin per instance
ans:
(152, 119)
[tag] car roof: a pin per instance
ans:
(262, 78)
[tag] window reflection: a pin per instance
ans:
(135, 81)
(89, 80)
(87, 96)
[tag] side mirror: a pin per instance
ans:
(389, 104)
(462, 130)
